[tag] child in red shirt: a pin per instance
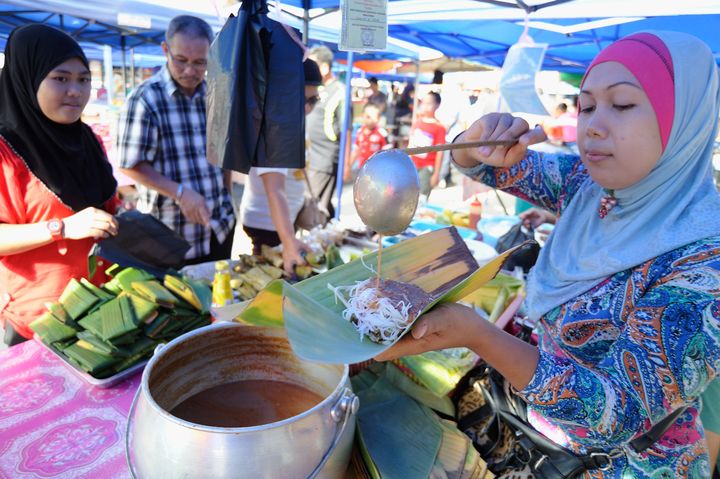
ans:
(369, 140)
(428, 131)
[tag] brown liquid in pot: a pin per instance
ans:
(246, 403)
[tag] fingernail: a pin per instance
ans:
(485, 151)
(419, 331)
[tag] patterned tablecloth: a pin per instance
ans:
(53, 424)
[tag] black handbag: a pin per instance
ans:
(527, 255)
(310, 215)
(495, 419)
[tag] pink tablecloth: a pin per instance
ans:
(52, 424)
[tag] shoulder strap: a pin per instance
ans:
(307, 183)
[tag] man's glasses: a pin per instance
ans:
(311, 100)
(181, 63)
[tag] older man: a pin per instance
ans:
(161, 142)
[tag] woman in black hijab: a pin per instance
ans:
(55, 180)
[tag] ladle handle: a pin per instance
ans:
(453, 146)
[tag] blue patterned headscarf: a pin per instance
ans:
(674, 205)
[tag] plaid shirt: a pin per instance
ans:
(162, 126)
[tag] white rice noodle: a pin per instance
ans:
(372, 315)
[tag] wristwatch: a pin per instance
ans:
(56, 227)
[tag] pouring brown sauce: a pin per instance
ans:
(246, 403)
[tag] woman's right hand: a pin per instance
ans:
(497, 126)
(90, 223)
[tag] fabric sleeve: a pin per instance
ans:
(545, 180)
(666, 353)
(137, 133)
(12, 198)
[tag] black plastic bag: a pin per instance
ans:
(255, 97)
(144, 241)
(526, 256)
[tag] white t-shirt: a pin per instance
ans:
(255, 209)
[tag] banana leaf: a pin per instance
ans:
(439, 262)
(266, 308)
(401, 437)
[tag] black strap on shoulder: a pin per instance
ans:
(641, 443)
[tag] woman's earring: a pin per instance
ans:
(607, 203)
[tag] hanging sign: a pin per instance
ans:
(364, 25)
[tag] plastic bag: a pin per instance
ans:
(255, 95)
(526, 256)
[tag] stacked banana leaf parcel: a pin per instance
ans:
(104, 331)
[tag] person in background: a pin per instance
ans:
(161, 145)
(376, 97)
(369, 140)
(624, 295)
(274, 196)
(427, 131)
(56, 184)
(323, 132)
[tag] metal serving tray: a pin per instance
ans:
(100, 383)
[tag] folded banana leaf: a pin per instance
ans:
(114, 318)
(195, 293)
(88, 359)
(123, 280)
(51, 330)
(439, 262)
(143, 310)
(439, 371)
(99, 292)
(76, 299)
(99, 345)
(155, 292)
(401, 436)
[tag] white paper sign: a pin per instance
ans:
(364, 25)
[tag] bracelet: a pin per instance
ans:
(179, 193)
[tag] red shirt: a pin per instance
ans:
(368, 142)
(29, 279)
(424, 133)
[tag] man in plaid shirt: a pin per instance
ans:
(161, 145)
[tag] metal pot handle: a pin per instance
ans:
(346, 406)
(127, 433)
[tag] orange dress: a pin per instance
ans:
(29, 279)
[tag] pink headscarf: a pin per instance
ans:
(649, 60)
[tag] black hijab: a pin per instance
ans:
(68, 159)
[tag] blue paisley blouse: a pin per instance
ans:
(620, 357)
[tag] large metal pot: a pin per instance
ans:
(314, 443)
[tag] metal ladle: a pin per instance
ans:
(387, 188)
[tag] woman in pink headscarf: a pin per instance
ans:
(625, 291)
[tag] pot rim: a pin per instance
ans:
(145, 389)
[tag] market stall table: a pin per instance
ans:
(53, 424)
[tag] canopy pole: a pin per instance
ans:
(124, 67)
(306, 26)
(108, 72)
(344, 132)
(416, 97)
(132, 68)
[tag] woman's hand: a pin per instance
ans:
(292, 253)
(497, 126)
(194, 207)
(90, 223)
(449, 325)
(534, 217)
